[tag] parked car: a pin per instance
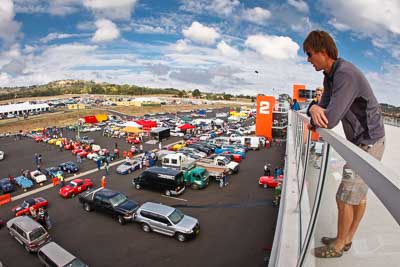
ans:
(86, 140)
(110, 202)
(69, 167)
(35, 203)
(167, 220)
(268, 182)
(29, 233)
(52, 254)
(53, 172)
(128, 167)
(38, 176)
(6, 186)
(75, 187)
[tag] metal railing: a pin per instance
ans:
(308, 202)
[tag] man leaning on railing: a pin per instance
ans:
(347, 97)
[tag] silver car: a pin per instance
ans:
(28, 233)
(167, 220)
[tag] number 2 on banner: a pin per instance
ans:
(264, 107)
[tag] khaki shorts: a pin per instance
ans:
(353, 190)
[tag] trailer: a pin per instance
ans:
(160, 133)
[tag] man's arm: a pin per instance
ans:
(343, 94)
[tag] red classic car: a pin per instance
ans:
(83, 154)
(75, 187)
(133, 140)
(36, 203)
(268, 182)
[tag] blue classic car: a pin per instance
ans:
(5, 185)
(53, 172)
(69, 167)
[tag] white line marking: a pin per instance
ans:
(181, 199)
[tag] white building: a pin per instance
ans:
(21, 108)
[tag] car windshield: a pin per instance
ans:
(75, 263)
(35, 234)
(118, 199)
(72, 184)
(225, 160)
(176, 216)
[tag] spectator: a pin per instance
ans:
(40, 159)
(141, 148)
(347, 97)
(98, 163)
(106, 166)
(267, 169)
(78, 158)
(159, 145)
(295, 105)
(61, 146)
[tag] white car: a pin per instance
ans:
(92, 156)
(38, 176)
(176, 133)
(1, 155)
(94, 128)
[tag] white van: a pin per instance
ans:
(251, 142)
(177, 161)
(52, 254)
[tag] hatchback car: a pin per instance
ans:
(29, 233)
(167, 220)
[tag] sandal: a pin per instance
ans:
(331, 240)
(327, 252)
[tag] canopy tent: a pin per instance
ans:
(130, 129)
(132, 124)
(186, 127)
(90, 119)
(146, 124)
(101, 117)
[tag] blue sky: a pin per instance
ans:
(211, 45)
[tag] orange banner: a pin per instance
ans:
(265, 107)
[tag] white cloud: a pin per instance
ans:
(64, 7)
(112, 9)
(199, 33)
(300, 5)
(9, 28)
(147, 29)
(386, 84)
(180, 46)
(339, 26)
(276, 47)
(106, 31)
(366, 16)
(256, 15)
(227, 50)
(56, 36)
(219, 7)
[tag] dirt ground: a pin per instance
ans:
(67, 117)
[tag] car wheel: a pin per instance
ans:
(72, 195)
(69, 171)
(194, 186)
(137, 186)
(265, 186)
(167, 193)
(146, 227)
(130, 170)
(181, 237)
(87, 207)
(27, 248)
(121, 220)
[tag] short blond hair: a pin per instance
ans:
(319, 88)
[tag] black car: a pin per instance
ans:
(201, 148)
(110, 202)
(69, 167)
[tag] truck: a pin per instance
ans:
(218, 163)
(177, 161)
(110, 202)
(196, 177)
(160, 133)
(251, 142)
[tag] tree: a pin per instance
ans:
(196, 93)
(181, 94)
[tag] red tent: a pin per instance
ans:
(186, 127)
(90, 119)
(146, 124)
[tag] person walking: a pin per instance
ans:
(347, 97)
(267, 169)
(98, 164)
(103, 182)
(61, 179)
(141, 148)
(61, 146)
(159, 146)
(78, 158)
(106, 166)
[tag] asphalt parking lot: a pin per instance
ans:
(237, 222)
